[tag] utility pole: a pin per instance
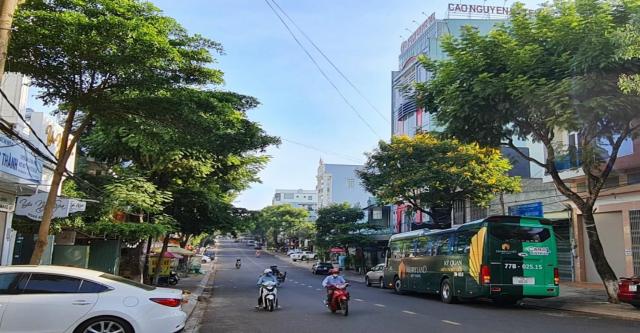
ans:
(7, 8)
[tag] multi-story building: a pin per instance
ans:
(307, 199)
(339, 183)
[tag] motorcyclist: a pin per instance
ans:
(267, 276)
(333, 279)
(238, 263)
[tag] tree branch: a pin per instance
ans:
(511, 145)
(612, 160)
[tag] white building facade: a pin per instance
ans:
(339, 183)
(307, 199)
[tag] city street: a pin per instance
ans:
(371, 309)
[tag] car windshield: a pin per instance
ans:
(127, 281)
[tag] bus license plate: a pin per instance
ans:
(523, 280)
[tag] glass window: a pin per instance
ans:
(51, 284)
(463, 241)
(429, 247)
(288, 196)
(510, 232)
(90, 287)
(443, 247)
(8, 283)
(377, 213)
(351, 183)
(127, 281)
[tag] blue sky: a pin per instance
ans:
(261, 59)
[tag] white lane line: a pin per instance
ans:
(409, 312)
(380, 305)
(359, 300)
(309, 286)
(318, 289)
(451, 322)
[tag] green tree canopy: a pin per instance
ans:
(431, 174)
(570, 67)
(283, 219)
(341, 225)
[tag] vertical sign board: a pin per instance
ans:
(529, 209)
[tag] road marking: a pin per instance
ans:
(359, 300)
(380, 305)
(451, 322)
(318, 289)
(310, 286)
(409, 312)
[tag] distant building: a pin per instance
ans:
(339, 183)
(307, 199)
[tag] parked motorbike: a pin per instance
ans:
(238, 263)
(339, 299)
(171, 280)
(269, 296)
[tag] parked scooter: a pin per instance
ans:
(171, 280)
(269, 296)
(238, 263)
(339, 299)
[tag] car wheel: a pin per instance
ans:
(366, 280)
(397, 285)
(637, 306)
(446, 292)
(104, 325)
(294, 260)
(381, 283)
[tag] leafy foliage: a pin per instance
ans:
(429, 172)
(570, 67)
(338, 225)
(283, 219)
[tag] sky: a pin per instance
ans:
(261, 59)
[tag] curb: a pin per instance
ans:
(583, 312)
(194, 317)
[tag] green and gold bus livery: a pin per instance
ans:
(505, 258)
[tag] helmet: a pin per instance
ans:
(267, 271)
(334, 271)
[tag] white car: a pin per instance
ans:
(304, 255)
(290, 252)
(48, 299)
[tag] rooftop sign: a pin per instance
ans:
(468, 10)
(416, 34)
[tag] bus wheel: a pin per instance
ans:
(397, 285)
(446, 292)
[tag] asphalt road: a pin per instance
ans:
(370, 310)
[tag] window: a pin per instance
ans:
(8, 283)
(612, 181)
(127, 281)
(277, 196)
(506, 232)
(377, 213)
(351, 183)
(463, 240)
(92, 287)
(51, 284)
(288, 196)
(581, 187)
(442, 247)
(633, 178)
(310, 197)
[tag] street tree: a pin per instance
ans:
(282, 219)
(82, 54)
(432, 173)
(572, 66)
(340, 225)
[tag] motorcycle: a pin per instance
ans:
(279, 275)
(339, 299)
(238, 264)
(171, 280)
(269, 296)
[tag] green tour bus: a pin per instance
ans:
(504, 258)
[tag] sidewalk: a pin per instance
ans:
(585, 298)
(196, 284)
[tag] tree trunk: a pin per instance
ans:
(156, 274)
(145, 269)
(185, 240)
(7, 9)
(47, 215)
(603, 268)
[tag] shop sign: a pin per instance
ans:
(7, 202)
(33, 206)
(416, 34)
(18, 161)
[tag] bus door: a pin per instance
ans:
(521, 258)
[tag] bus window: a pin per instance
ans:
(510, 232)
(463, 240)
(396, 250)
(442, 245)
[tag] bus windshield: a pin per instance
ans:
(511, 232)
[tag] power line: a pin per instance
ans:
(324, 74)
(331, 63)
(350, 158)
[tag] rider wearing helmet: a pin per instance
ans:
(332, 280)
(267, 276)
